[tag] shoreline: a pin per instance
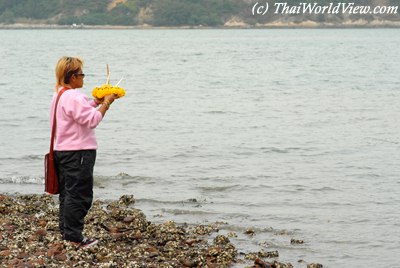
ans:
(127, 238)
(359, 24)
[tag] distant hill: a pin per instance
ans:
(177, 13)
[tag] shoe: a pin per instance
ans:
(88, 242)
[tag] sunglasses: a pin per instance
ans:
(71, 73)
(83, 75)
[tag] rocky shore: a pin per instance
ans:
(29, 237)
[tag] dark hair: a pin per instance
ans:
(68, 75)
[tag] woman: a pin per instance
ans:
(75, 148)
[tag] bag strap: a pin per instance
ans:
(53, 130)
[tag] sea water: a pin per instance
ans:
(292, 133)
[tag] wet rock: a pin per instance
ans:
(126, 200)
(268, 254)
(251, 256)
(277, 264)
(314, 265)
(232, 234)
(258, 263)
(296, 241)
(221, 240)
(205, 229)
(250, 232)
(261, 254)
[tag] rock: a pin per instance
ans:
(153, 252)
(277, 264)
(190, 242)
(113, 229)
(249, 232)
(41, 232)
(296, 241)
(10, 228)
(126, 200)
(128, 219)
(188, 263)
(314, 265)
(167, 244)
(269, 254)
(151, 249)
(39, 262)
(5, 253)
(221, 240)
(53, 251)
(262, 264)
(31, 238)
(214, 251)
(23, 255)
(39, 253)
(14, 262)
(136, 236)
(61, 257)
(232, 234)
(25, 265)
(117, 236)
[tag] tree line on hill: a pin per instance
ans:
(160, 12)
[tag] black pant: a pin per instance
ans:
(75, 177)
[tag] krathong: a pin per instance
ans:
(107, 88)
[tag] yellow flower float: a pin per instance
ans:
(107, 88)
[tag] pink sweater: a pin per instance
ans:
(76, 119)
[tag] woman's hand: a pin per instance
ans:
(110, 98)
(98, 101)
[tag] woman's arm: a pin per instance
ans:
(106, 104)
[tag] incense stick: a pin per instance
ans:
(108, 75)
(119, 81)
